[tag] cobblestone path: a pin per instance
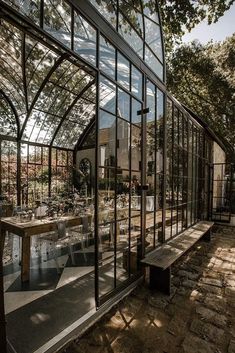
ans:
(199, 317)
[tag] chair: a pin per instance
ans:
(59, 239)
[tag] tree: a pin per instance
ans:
(180, 16)
(203, 78)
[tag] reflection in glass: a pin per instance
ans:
(107, 57)
(29, 8)
(84, 39)
(123, 144)
(130, 35)
(136, 82)
(153, 62)
(123, 105)
(9, 128)
(107, 8)
(136, 108)
(57, 20)
(107, 139)
(107, 95)
(135, 147)
(153, 37)
(123, 71)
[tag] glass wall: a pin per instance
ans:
(187, 168)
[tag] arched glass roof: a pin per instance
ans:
(46, 89)
(137, 21)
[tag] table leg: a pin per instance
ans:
(3, 340)
(25, 259)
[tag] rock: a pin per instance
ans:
(216, 303)
(209, 289)
(189, 275)
(189, 283)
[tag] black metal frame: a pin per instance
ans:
(103, 28)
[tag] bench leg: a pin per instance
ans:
(160, 279)
(207, 236)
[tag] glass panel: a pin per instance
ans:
(8, 126)
(135, 193)
(151, 104)
(11, 69)
(123, 105)
(122, 190)
(130, 35)
(29, 8)
(134, 17)
(39, 61)
(8, 175)
(150, 10)
(153, 62)
(159, 128)
(57, 20)
(107, 9)
(107, 95)
(107, 58)
(136, 115)
(123, 144)
(123, 71)
(153, 37)
(84, 39)
(136, 82)
(135, 147)
(107, 139)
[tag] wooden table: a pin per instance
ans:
(28, 229)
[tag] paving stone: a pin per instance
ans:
(230, 281)
(189, 283)
(194, 344)
(209, 289)
(231, 347)
(208, 331)
(187, 274)
(217, 303)
(212, 316)
(212, 282)
(230, 291)
(160, 303)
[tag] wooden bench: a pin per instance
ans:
(161, 259)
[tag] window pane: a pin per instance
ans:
(153, 37)
(84, 39)
(57, 20)
(107, 139)
(123, 144)
(107, 95)
(153, 63)
(123, 105)
(107, 57)
(136, 82)
(123, 71)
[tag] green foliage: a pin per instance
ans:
(203, 78)
(180, 16)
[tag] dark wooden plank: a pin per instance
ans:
(167, 254)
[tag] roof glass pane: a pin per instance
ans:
(57, 20)
(153, 62)
(123, 105)
(107, 95)
(8, 126)
(74, 124)
(130, 35)
(153, 37)
(107, 8)
(123, 71)
(136, 82)
(39, 61)
(150, 10)
(84, 39)
(11, 82)
(134, 17)
(107, 57)
(29, 8)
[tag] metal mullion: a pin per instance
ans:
(172, 166)
(96, 208)
(115, 196)
(143, 170)
(130, 196)
(155, 168)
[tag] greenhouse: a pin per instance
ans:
(99, 164)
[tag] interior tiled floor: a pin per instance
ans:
(51, 301)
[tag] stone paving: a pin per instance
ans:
(199, 316)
